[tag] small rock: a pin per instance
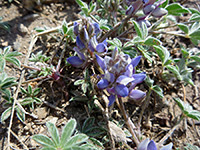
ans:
(4, 43)
(23, 29)
(41, 112)
(17, 46)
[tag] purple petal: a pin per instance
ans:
(105, 41)
(109, 76)
(124, 79)
(129, 71)
(121, 90)
(101, 48)
(159, 12)
(81, 55)
(93, 43)
(143, 145)
(97, 29)
(86, 36)
(100, 62)
(111, 99)
(145, 1)
(151, 145)
(75, 61)
(79, 43)
(139, 77)
(102, 84)
(137, 95)
(167, 147)
(135, 61)
(111, 90)
(76, 28)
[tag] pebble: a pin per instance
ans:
(22, 28)
(16, 46)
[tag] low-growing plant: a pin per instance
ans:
(66, 141)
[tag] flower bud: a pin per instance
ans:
(159, 12)
(121, 90)
(102, 84)
(137, 95)
(75, 61)
(76, 28)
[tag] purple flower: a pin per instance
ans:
(75, 61)
(119, 78)
(151, 145)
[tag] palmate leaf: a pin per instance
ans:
(44, 140)
(76, 140)
(68, 130)
(53, 132)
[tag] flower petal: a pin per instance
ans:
(151, 145)
(109, 76)
(102, 84)
(139, 77)
(97, 29)
(75, 61)
(100, 62)
(129, 71)
(124, 79)
(121, 90)
(81, 55)
(93, 43)
(159, 12)
(111, 99)
(101, 48)
(137, 95)
(86, 36)
(135, 61)
(76, 28)
(143, 145)
(167, 147)
(79, 43)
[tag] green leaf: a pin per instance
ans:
(39, 29)
(67, 131)
(92, 8)
(36, 91)
(79, 82)
(165, 4)
(8, 82)
(195, 27)
(13, 60)
(84, 87)
(85, 10)
(20, 114)
(79, 98)
(195, 35)
(81, 3)
(53, 132)
(6, 114)
(194, 11)
(195, 58)
(76, 140)
(2, 64)
(48, 148)
(158, 90)
(183, 27)
(6, 50)
(44, 140)
(144, 30)
(195, 17)
(152, 41)
(13, 54)
(175, 71)
(88, 123)
(30, 89)
(149, 81)
(64, 27)
(163, 53)
(23, 90)
(138, 29)
(27, 101)
(176, 9)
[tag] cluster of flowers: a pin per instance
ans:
(151, 145)
(119, 78)
(149, 7)
(86, 42)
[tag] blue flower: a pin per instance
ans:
(151, 145)
(119, 78)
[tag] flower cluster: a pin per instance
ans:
(119, 77)
(151, 145)
(86, 43)
(149, 7)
